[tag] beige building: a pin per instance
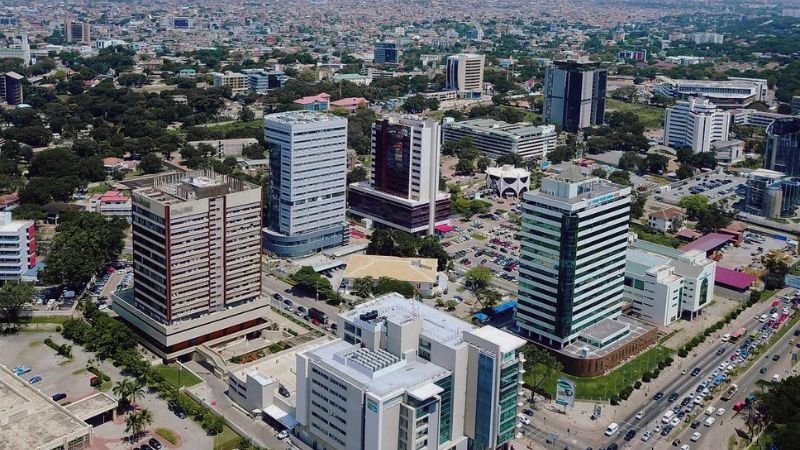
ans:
(420, 272)
(465, 73)
(196, 251)
(31, 420)
(236, 81)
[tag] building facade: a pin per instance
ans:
(237, 82)
(196, 258)
(464, 73)
(495, 138)
(403, 190)
(575, 95)
(508, 181)
(730, 94)
(771, 194)
(261, 81)
(11, 88)
(385, 53)
(572, 258)
(695, 124)
(755, 118)
(406, 376)
(782, 153)
(18, 252)
(77, 32)
(308, 163)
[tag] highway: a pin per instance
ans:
(704, 357)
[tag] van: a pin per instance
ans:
(667, 416)
(726, 337)
(613, 428)
(763, 318)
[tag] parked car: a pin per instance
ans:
(155, 443)
(282, 435)
(524, 420)
(35, 379)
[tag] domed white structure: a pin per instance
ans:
(508, 181)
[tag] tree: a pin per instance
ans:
(246, 114)
(122, 389)
(684, 171)
(541, 366)
(656, 163)
(253, 151)
(779, 406)
(478, 277)
(357, 174)
(713, 218)
(488, 298)
(561, 153)
(622, 177)
(599, 172)
(483, 163)
(13, 297)
(151, 163)
(694, 205)
(629, 161)
(637, 205)
(386, 285)
(362, 287)
(465, 167)
(308, 279)
(135, 392)
(212, 423)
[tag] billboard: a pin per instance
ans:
(565, 392)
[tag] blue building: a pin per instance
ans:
(385, 53)
(782, 152)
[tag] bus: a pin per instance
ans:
(736, 335)
(754, 334)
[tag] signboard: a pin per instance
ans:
(565, 392)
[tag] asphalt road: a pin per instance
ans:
(707, 359)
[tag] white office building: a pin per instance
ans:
(465, 73)
(308, 163)
(695, 123)
(495, 138)
(708, 38)
(406, 376)
(728, 94)
(508, 181)
(664, 284)
(572, 262)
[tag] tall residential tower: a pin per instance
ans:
(464, 73)
(197, 261)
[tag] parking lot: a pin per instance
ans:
(714, 186)
(748, 254)
(488, 240)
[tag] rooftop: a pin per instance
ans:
(30, 419)
(323, 97)
(301, 117)
(510, 130)
(437, 325)
(667, 214)
(709, 242)
(347, 361)
(181, 187)
(506, 341)
(733, 279)
(413, 270)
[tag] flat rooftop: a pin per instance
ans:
(413, 270)
(91, 406)
(640, 261)
(437, 325)
(637, 329)
(30, 419)
(499, 128)
(180, 187)
(301, 117)
(345, 360)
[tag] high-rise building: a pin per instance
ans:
(782, 152)
(404, 177)
(11, 88)
(572, 261)
(238, 82)
(406, 376)
(795, 104)
(77, 32)
(575, 95)
(308, 164)
(695, 124)
(495, 138)
(464, 73)
(197, 261)
(385, 53)
(18, 253)
(771, 194)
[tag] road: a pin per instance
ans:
(707, 359)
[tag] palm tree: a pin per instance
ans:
(136, 392)
(122, 389)
(145, 419)
(131, 425)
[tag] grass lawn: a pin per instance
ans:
(651, 116)
(168, 435)
(603, 387)
(227, 440)
(51, 319)
(101, 188)
(173, 374)
(238, 125)
(478, 236)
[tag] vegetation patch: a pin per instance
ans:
(177, 376)
(167, 435)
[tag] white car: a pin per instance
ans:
(525, 420)
(695, 436)
(685, 447)
(709, 421)
(657, 429)
(283, 435)
(639, 415)
(646, 436)
(720, 411)
(710, 410)
(675, 421)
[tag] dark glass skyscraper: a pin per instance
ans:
(782, 152)
(385, 53)
(575, 95)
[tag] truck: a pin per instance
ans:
(730, 392)
(318, 315)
